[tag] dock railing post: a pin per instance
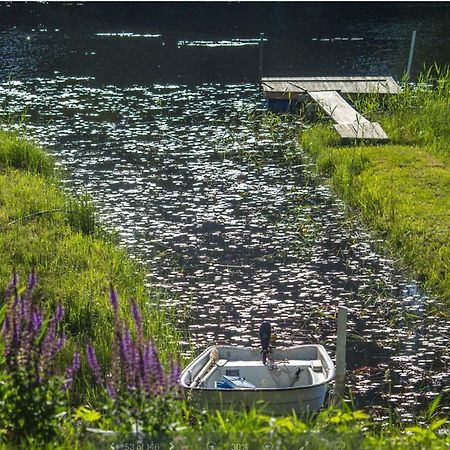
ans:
(261, 50)
(341, 345)
(411, 54)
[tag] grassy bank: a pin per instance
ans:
(400, 189)
(59, 235)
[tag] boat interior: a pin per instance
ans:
(230, 367)
(284, 374)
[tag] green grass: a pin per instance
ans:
(24, 154)
(75, 260)
(419, 116)
(337, 427)
(401, 189)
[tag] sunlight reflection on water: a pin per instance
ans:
(192, 179)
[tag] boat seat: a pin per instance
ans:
(243, 363)
(314, 364)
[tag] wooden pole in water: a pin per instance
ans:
(411, 53)
(261, 43)
(341, 345)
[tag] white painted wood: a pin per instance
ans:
(337, 108)
(212, 358)
(369, 130)
(220, 363)
(411, 54)
(341, 345)
(350, 123)
(274, 86)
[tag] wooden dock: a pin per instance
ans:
(327, 93)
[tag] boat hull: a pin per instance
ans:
(277, 400)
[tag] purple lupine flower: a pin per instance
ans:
(16, 330)
(36, 320)
(111, 391)
(177, 372)
(6, 326)
(71, 370)
(16, 297)
(31, 283)
(27, 332)
(21, 327)
(174, 373)
(12, 285)
(137, 319)
(93, 364)
(76, 361)
(59, 313)
(26, 319)
(114, 300)
(6, 336)
(136, 316)
(49, 346)
(156, 370)
(50, 336)
(61, 341)
(125, 345)
(146, 364)
(127, 356)
(32, 279)
(134, 372)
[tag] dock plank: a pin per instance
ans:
(327, 93)
(336, 107)
(345, 85)
(366, 130)
(349, 122)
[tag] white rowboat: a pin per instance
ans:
(294, 378)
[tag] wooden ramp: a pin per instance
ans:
(349, 123)
(327, 93)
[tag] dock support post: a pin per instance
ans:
(261, 43)
(411, 53)
(341, 345)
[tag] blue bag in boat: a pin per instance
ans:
(230, 382)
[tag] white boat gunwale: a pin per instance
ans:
(321, 349)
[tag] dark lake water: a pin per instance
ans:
(156, 111)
